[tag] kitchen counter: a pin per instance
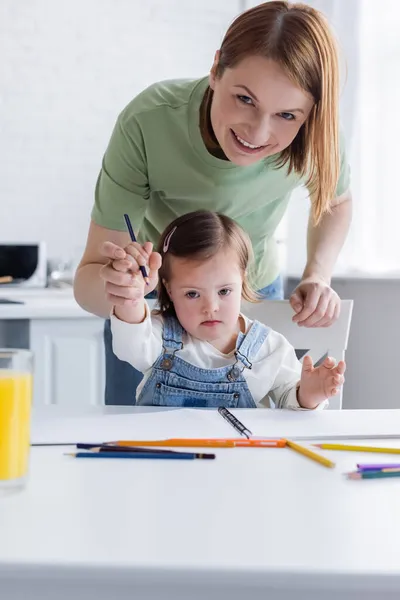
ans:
(67, 343)
(46, 303)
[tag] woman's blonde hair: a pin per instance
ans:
(198, 236)
(298, 38)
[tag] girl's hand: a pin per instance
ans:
(318, 384)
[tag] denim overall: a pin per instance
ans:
(175, 382)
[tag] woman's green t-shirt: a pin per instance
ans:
(156, 167)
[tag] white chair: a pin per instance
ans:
(318, 342)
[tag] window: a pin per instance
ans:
(373, 246)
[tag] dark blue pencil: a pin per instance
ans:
(115, 448)
(172, 456)
(133, 239)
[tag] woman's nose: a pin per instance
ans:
(261, 131)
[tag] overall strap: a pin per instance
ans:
(172, 335)
(249, 344)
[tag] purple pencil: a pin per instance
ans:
(369, 467)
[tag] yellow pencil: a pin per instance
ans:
(310, 454)
(351, 448)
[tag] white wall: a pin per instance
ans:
(66, 71)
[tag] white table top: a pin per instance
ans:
(252, 521)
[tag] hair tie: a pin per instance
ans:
(167, 240)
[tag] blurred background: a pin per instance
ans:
(67, 70)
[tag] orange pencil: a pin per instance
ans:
(177, 442)
(205, 443)
(260, 443)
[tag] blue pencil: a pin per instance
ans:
(177, 456)
(133, 239)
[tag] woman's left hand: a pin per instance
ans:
(315, 303)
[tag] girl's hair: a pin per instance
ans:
(198, 236)
(298, 38)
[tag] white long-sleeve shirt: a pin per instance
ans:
(275, 371)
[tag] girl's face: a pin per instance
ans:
(256, 109)
(207, 297)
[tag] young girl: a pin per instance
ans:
(199, 350)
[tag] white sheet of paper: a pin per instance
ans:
(55, 425)
(327, 424)
(49, 427)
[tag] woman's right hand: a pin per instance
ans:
(124, 282)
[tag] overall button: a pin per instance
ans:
(234, 373)
(158, 385)
(166, 364)
(236, 396)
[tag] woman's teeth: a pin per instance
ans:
(242, 141)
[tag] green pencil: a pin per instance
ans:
(374, 474)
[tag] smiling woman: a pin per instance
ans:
(251, 112)
(238, 142)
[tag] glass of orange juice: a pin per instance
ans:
(16, 373)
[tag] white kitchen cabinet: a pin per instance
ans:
(67, 343)
(69, 361)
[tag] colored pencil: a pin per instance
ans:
(112, 448)
(374, 474)
(179, 443)
(140, 455)
(133, 239)
(126, 450)
(351, 448)
(310, 454)
(134, 450)
(241, 443)
(377, 467)
(385, 470)
(205, 443)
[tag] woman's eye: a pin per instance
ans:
(224, 292)
(192, 294)
(245, 100)
(287, 116)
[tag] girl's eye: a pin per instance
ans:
(224, 292)
(192, 294)
(245, 100)
(287, 116)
